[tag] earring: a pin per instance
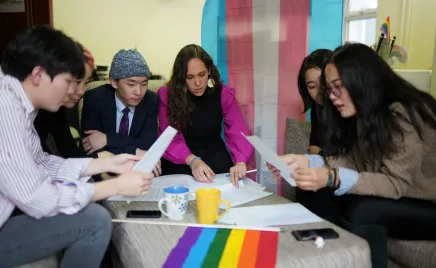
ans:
(210, 82)
(185, 89)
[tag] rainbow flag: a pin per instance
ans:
(386, 29)
(226, 248)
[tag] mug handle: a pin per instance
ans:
(227, 210)
(163, 200)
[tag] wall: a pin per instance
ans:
(414, 24)
(157, 28)
(259, 46)
(326, 19)
(433, 75)
(325, 26)
(35, 12)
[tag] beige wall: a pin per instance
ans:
(157, 28)
(414, 24)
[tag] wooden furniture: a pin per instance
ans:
(36, 12)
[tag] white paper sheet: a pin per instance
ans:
(239, 196)
(150, 159)
(234, 195)
(270, 215)
(190, 182)
(272, 158)
(154, 195)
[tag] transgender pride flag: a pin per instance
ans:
(258, 46)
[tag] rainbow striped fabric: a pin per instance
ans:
(386, 29)
(212, 247)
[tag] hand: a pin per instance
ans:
(311, 178)
(105, 154)
(121, 163)
(237, 172)
(313, 149)
(157, 171)
(202, 172)
(95, 141)
(293, 161)
(133, 183)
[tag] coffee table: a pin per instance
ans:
(140, 245)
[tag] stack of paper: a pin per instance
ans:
(242, 195)
(270, 215)
(248, 190)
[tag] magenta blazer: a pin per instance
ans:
(240, 149)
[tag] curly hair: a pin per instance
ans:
(179, 107)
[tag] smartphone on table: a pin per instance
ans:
(143, 214)
(311, 234)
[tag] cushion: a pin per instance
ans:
(297, 142)
(420, 254)
(297, 136)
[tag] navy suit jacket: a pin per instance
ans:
(99, 113)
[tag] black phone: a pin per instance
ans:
(305, 235)
(144, 214)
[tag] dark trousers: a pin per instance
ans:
(375, 219)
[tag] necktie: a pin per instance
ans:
(124, 123)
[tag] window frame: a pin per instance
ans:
(354, 16)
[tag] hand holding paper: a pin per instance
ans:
(272, 158)
(293, 161)
(153, 155)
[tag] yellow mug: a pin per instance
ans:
(208, 201)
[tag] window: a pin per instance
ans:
(360, 19)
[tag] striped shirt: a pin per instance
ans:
(39, 184)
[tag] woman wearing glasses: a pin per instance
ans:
(384, 130)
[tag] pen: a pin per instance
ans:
(392, 45)
(380, 40)
(250, 171)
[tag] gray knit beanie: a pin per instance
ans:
(128, 63)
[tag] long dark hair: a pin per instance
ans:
(179, 106)
(373, 86)
(317, 59)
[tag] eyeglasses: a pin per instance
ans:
(335, 90)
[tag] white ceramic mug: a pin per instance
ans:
(176, 200)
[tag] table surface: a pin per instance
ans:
(143, 245)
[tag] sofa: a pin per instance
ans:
(402, 254)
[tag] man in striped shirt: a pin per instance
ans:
(50, 195)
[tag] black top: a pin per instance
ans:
(315, 132)
(56, 124)
(203, 135)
